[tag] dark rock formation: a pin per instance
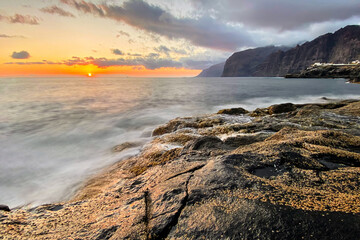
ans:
(291, 172)
(213, 71)
(351, 72)
(343, 46)
(281, 108)
(4, 208)
(244, 63)
(125, 145)
(233, 111)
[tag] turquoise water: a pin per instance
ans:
(56, 132)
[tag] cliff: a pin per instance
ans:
(213, 71)
(284, 172)
(244, 63)
(343, 46)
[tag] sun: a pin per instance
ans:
(89, 74)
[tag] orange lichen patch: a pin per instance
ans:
(350, 109)
(323, 141)
(92, 215)
(340, 192)
(322, 137)
(102, 181)
(180, 138)
(332, 190)
(180, 123)
(219, 129)
(153, 159)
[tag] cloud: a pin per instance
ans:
(165, 50)
(153, 55)
(26, 63)
(179, 51)
(279, 14)
(162, 49)
(148, 62)
(201, 62)
(122, 33)
(151, 61)
(18, 18)
(77, 61)
(134, 54)
(56, 10)
(117, 52)
(20, 55)
(198, 64)
(10, 36)
(5, 36)
(204, 31)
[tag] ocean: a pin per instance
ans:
(57, 132)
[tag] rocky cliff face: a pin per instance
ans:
(213, 71)
(244, 63)
(343, 46)
(284, 172)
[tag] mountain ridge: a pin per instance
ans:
(342, 46)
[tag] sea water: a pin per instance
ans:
(57, 132)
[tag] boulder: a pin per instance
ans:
(125, 145)
(4, 208)
(233, 111)
(281, 108)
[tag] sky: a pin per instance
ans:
(153, 37)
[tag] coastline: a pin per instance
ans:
(299, 163)
(349, 72)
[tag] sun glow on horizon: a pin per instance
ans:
(17, 70)
(89, 74)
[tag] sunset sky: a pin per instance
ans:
(153, 37)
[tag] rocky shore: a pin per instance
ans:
(289, 171)
(352, 73)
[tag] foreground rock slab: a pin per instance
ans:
(284, 172)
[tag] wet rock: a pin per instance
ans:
(233, 111)
(4, 208)
(178, 138)
(251, 219)
(106, 233)
(308, 110)
(266, 172)
(207, 142)
(183, 123)
(246, 139)
(259, 112)
(125, 145)
(281, 108)
(167, 128)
